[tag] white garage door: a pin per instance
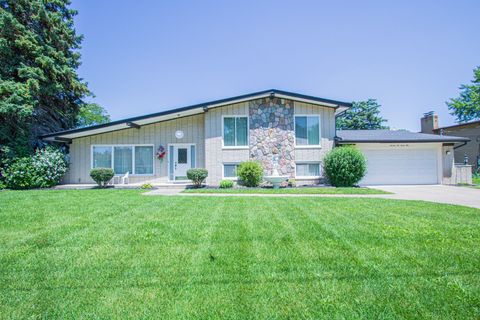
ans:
(401, 164)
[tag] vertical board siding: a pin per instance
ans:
(215, 155)
(205, 131)
(327, 130)
(160, 133)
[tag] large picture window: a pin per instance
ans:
(235, 131)
(307, 130)
(133, 159)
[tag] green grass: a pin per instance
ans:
(117, 254)
(311, 190)
(476, 180)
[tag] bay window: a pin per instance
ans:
(134, 159)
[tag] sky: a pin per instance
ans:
(146, 56)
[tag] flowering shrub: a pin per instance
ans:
(50, 167)
(20, 174)
(42, 170)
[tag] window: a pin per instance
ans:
(102, 157)
(230, 170)
(144, 160)
(308, 169)
(307, 130)
(124, 158)
(235, 131)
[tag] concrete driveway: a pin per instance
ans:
(464, 196)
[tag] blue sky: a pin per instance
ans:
(146, 56)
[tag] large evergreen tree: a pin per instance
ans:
(40, 90)
(363, 115)
(467, 106)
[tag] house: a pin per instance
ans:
(218, 135)
(468, 151)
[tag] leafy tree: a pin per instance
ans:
(40, 90)
(92, 114)
(467, 106)
(363, 115)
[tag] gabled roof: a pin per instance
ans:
(399, 136)
(458, 125)
(66, 135)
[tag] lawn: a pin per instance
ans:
(311, 190)
(117, 254)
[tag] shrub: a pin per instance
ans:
(20, 174)
(345, 166)
(250, 173)
(197, 176)
(42, 170)
(226, 184)
(146, 186)
(102, 176)
(50, 167)
(292, 183)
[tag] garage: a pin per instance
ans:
(400, 157)
(401, 164)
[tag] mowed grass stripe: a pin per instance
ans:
(117, 254)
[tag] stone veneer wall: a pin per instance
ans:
(272, 132)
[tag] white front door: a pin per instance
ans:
(181, 161)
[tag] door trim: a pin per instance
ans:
(174, 145)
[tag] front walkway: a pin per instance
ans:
(434, 193)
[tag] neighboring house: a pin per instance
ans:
(470, 130)
(219, 135)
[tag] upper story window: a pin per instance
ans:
(235, 131)
(307, 130)
(124, 158)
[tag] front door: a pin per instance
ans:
(181, 161)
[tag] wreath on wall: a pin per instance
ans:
(161, 153)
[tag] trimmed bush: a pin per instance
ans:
(345, 166)
(250, 173)
(42, 170)
(197, 176)
(226, 184)
(146, 186)
(102, 176)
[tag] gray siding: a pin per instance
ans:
(161, 133)
(204, 130)
(216, 155)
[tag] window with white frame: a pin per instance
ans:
(134, 159)
(230, 170)
(235, 131)
(308, 169)
(307, 130)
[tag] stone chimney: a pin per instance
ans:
(429, 122)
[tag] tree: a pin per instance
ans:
(40, 90)
(92, 114)
(363, 115)
(467, 106)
